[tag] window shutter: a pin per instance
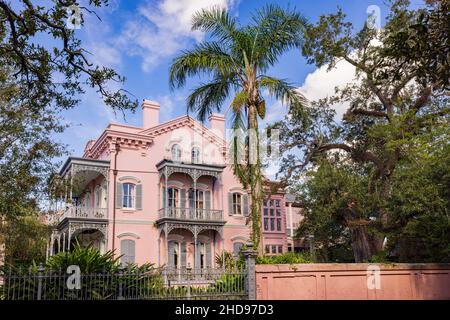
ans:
(164, 197)
(208, 200)
(182, 198)
(171, 248)
(119, 196)
(208, 254)
(245, 204)
(183, 254)
(230, 203)
(127, 250)
(139, 197)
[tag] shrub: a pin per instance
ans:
(285, 258)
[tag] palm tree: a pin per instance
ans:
(236, 61)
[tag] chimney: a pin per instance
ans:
(217, 122)
(150, 114)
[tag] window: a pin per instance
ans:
(237, 204)
(173, 198)
(195, 155)
(274, 249)
(128, 195)
(98, 197)
(202, 255)
(280, 249)
(176, 152)
(127, 250)
(175, 254)
(200, 199)
(272, 215)
(267, 249)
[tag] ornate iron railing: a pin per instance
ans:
(85, 212)
(191, 214)
(157, 284)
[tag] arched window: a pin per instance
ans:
(195, 155)
(127, 250)
(176, 152)
(128, 195)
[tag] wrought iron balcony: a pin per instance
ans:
(190, 214)
(82, 212)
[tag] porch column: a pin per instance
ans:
(196, 264)
(64, 242)
(59, 243)
(166, 196)
(195, 197)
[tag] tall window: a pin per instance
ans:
(128, 195)
(237, 203)
(176, 152)
(173, 198)
(195, 155)
(202, 255)
(200, 199)
(98, 197)
(272, 215)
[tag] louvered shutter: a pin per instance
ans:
(230, 203)
(183, 254)
(139, 197)
(245, 204)
(171, 249)
(208, 254)
(119, 195)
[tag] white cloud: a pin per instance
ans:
(160, 30)
(321, 84)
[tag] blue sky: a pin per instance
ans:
(140, 38)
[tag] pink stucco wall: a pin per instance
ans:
(350, 282)
(135, 151)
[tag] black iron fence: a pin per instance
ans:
(42, 284)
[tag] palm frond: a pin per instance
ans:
(209, 97)
(282, 90)
(277, 30)
(207, 57)
(217, 21)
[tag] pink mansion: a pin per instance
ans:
(161, 193)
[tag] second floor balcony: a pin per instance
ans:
(85, 213)
(190, 214)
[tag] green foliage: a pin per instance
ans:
(89, 259)
(236, 59)
(378, 185)
(35, 62)
(25, 240)
(285, 258)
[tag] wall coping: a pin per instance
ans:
(336, 267)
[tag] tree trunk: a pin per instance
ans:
(255, 177)
(360, 243)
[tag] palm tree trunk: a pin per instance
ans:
(255, 177)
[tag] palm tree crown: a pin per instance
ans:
(236, 61)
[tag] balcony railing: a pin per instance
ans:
(85, 212)
(191, 214)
